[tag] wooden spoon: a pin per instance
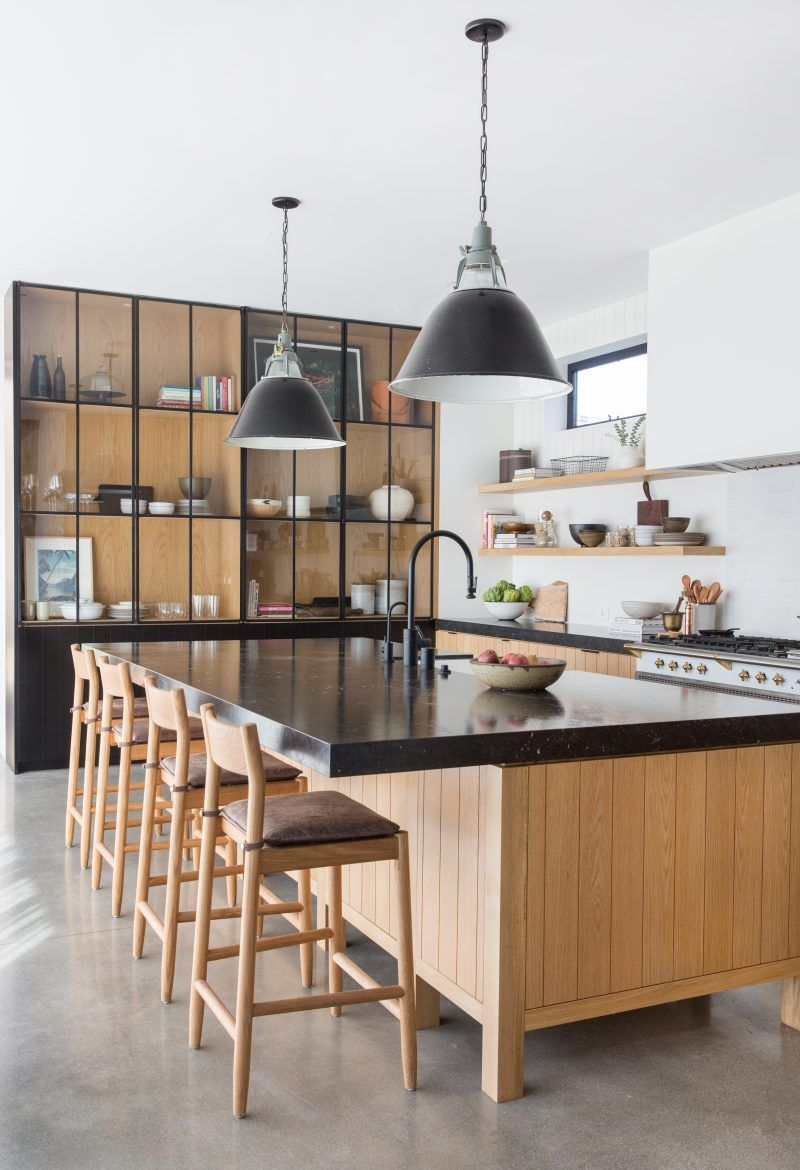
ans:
(714, 591)
(686, 582)
(703, 595)
(697, 589)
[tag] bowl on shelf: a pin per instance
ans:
(503, 677)
(515, 526)
(643, 609)
(643, 534)
(676, 523)
(195, 487)
(575, 531)
(161, 508)
(89, 610)
(591, 539)
(264, 507)
(126, 506)
(506, 611)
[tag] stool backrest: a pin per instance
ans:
(116, 680)
(167, 711)
(235, 748)
(86, 673)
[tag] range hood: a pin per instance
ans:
(753, 463)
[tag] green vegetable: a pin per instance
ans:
(525, 593)
(488, 595)
(511, 595)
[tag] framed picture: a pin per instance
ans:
(322, 366)
(51, 568)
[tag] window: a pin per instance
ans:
(612, 386)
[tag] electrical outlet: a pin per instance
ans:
(604, 614)
(252, 542)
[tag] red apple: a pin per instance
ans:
(515, 660)
(509, 659)
(488, 656)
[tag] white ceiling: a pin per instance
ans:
(143, 143)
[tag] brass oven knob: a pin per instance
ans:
(687, 666)
(778, 678)
(761, 677)
(672, 665)
(659, 662)
(702, 668)
(744, 675)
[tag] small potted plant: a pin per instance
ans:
(630, 453)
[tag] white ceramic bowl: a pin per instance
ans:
(91, 610)
(126, 506)
(643, 609)
(161, 508)
(506, 610)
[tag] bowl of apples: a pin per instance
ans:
(516, 672)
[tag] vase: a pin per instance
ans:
(402, 503)
(59, 381)
(40, 385)
(382, 404)
(626, 457)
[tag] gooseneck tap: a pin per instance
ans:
(412, 636)
(388, 654)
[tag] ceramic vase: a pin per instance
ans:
(402, 503)
(40, 385)
(59, 381)
(625, 457)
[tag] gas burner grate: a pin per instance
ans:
(752, 645)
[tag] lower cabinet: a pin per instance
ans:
(593, 661)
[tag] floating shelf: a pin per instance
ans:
(591, 479)
(672, 550)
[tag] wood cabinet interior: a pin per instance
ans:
(47, 326)
(105, 447)
(366, 555)
(215, 563)
(216, 344)
(367, 459)
(47, 445)
(316, 568)
(411, 467)
(105, 332)
(403, 539)
(163, 453)
(163, 561)
(212, 457)
(270, 562)
(163, 348)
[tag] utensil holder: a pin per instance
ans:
(705, 617)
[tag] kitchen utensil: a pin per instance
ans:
(697, 589)
(195, 487)
(650, 511)
(550, 602)
(591, 539)
(576, 529)
(676, 523)
(705, 618)
(642, 610)
(703, 598)
(714, 591)
(686, 581)
(672, 622)
(506, 611)
(536, 677)
(264, 507)
(678, 604)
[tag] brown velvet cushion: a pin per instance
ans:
(273, 770)
(313, 818)
(141, 729)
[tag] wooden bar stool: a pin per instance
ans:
(184, 775)
(130, 734)
(85, 711)
(315, 830)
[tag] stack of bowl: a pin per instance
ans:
(643, 534)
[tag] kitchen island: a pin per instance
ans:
(602, 846)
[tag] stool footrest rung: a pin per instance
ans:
(276, 1007)
(105, 852)
(360, 976)
(147, 912)
(217, 1007)
(273, 943)
(192, 875)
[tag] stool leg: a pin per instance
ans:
(196, 831)
(230, 881)
(306, 923)
(405, 965)
(335, 922)
(121, 831)
(145, 859)
(100, 809)
(72, 780)
(88, 794)
(245, 988)
(173, 896)
(202, 928)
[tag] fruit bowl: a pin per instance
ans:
(502, 676)
(506, 611)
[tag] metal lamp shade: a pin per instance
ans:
(480, 345)
(284, 414)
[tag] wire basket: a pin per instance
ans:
(579, 464)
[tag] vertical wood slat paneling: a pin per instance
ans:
(369, 797)
(562, 818)
(431, 870)
(467, 958)
(534, 962)
(627, 874)
(794, 871)
(594, 878)
(480, 923)
(383, 873)
(690, 858)
(748, 856)
(448, 873)
(659, 870)
(720, 837)
(776, 855)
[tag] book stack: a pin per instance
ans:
(514, 540)
(216, 393)
(527, 473)
(177, 397)
(491, 522)
(275, 609)
(635, 628)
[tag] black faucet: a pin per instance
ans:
(388, 654)
(412, 637)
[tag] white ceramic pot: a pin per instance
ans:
(402, 503)
(628, 457)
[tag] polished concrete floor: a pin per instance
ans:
(95, 1072)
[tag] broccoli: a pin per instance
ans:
(525, 593)
(511, 595)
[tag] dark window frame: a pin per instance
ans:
(574, 368)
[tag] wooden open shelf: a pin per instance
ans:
(592, 479)
(672, 550)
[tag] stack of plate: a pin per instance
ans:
(122, 611)
(199, 508)
(643, 534)
(665, 538)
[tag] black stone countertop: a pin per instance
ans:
(332, 705)
(526, 630)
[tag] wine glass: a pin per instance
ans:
(30, 486)
(55, 492)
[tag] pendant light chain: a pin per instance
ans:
(285, 294)
(484, 114)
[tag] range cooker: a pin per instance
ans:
(743, 664)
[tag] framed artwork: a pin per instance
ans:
(51, 568)
(323, 369)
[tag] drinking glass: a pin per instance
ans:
(30, 486)
(55, 492)
(211, 606)
(163, 609)
(198, 606)
(178, 610)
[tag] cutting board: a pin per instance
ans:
(550, 602)
(650, 511)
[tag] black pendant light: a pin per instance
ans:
(283, 412)
(481, 343)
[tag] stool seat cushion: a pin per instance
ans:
(273, 770)
(313, 818)
(141, 729)
(139, 708)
